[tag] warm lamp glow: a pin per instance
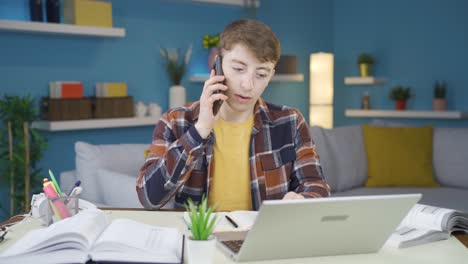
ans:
(321, 90)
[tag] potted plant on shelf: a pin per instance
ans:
(365, 61)
(440, 102)
(201, 245)
(400, 95)
(175, 67)
(211, 42)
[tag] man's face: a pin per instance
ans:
(246, 77)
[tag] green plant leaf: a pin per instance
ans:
(202, 222)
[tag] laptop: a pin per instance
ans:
(318, 227)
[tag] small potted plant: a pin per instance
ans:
(400, 95)
(201, 245)
(365, 61)
(211, 42)
(176, 66)
(440, 102)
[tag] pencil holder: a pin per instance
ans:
(60, 208)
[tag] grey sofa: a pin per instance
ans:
(109, 172)
(343, 158)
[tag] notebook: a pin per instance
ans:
(318, 227)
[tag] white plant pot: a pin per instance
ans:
(201, 251)
(176, 96)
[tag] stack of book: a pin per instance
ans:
(65, 90)
(66, 101)
(87, 13)
(118, 89)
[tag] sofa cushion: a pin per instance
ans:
(342, 156)
(118, 189)
(123, 158)
(446, 197)
(450, 156)
(399, 156)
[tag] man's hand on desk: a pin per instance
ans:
(292, 196)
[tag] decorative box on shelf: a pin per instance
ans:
(86, 108)
(66, 109)
(113, 107)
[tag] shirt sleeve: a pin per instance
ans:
(168, 164)
(306, 176)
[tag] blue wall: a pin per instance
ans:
(303, 27)
(29, 61)
(415, 43)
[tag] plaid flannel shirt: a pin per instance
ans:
(282, 158)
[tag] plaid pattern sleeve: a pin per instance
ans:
(306, 176)
(175, 144)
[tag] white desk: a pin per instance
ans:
(447, 251)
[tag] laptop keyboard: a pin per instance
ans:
(233, 245)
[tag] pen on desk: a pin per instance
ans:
(231, 221)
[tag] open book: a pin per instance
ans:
(243, 219)
(90, 236)
(425, 224)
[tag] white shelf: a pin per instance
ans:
(227, 2)
(288, 77)
(94, 123)
(364, 80)
(406, 114)
(54, 28)
(276, 78)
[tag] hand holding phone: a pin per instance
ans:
(211, 99)
(218, 67)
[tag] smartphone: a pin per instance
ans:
(218, 67)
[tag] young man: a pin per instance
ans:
(249, 152)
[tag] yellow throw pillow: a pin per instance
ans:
(399, 156)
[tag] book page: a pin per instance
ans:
(244, 219)
(407, 236)
(74, 233)
(427, 217)
(130, 241)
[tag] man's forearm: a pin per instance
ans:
(163, 173)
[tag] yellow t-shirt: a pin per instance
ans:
(230, 185)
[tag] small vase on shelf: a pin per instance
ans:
(439, 103)
(177, 96)
(400, 105)
(365, 62)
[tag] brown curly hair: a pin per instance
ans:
(256, 36)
